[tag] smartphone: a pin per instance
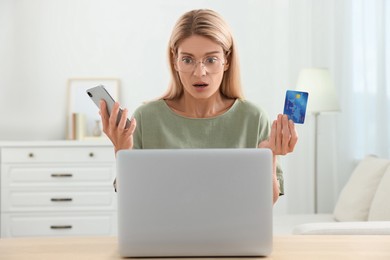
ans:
(295, 105)
(98, 93)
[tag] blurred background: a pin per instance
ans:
(45, 43)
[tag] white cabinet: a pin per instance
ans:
(58, 188)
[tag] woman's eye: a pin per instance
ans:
(211, 60)
(187, 60)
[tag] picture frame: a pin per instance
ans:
(83, 119)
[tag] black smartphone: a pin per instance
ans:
(100, 92)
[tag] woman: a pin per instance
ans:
(204, 106)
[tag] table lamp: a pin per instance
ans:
(322, 98)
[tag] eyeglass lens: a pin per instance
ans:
(210, 64)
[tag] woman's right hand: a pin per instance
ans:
(121, 137)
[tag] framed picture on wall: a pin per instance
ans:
(83, 119)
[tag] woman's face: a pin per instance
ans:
(200, 63)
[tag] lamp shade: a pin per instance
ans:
(322, 95)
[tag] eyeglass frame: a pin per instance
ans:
(202, 61)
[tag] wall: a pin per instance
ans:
(44, 43)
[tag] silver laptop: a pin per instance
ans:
(194, 202)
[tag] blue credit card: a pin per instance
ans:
(295, 105)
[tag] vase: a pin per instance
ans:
(97, 131)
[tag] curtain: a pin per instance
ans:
(370, 77)
(362, 66)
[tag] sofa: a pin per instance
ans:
(363, 206)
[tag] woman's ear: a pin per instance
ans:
(225, 66)
(173, 59)
(227, 61)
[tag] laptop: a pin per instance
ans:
(194, 202)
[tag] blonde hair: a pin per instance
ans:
(207, 23)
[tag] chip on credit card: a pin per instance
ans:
(295, 105)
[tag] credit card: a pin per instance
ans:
(295, 105)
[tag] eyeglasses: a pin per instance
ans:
(210, 64)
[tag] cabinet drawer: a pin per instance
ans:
(27, 174)
(57, 200)
(60, 154)
(22, 225)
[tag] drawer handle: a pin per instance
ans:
(61, 227)
(91, 154)
(61, 175)
(31, 155)
(61, 199)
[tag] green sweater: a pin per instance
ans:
(244, 125)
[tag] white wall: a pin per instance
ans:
(45, 42)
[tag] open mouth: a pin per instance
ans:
(200, 84)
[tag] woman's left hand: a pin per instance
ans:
(283, 137)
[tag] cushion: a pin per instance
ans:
(344, 228)
(380, 206)
(355, 199)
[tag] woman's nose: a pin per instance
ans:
(200, 69)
